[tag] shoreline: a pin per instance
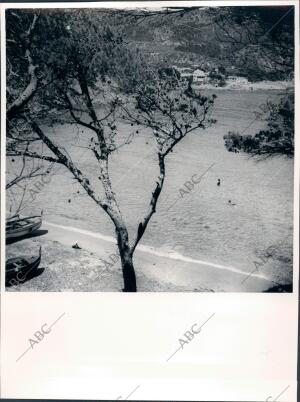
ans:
(250, 86)
(155, 252)
(92, 269)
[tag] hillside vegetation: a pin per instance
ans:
(254, 42)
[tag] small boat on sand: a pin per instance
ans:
(19, 227)
(18, 268)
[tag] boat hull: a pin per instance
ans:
(20, 232)
(19, 273)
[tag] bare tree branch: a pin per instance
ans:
(29, 91)
(153, 202)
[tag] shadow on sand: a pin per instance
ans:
(39, 232)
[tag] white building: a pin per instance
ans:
(186, 75)
(199, 75)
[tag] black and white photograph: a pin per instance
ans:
(150, 200)
(150, 149)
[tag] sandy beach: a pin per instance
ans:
(96, 267)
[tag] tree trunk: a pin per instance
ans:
(128, 272)
(126, 259)
(113, 211)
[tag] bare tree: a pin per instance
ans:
(170, 108)
(169, 112)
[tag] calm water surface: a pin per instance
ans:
(200, 224)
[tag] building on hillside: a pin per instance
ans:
(186, 74)
(185, 70)
(199, 76)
